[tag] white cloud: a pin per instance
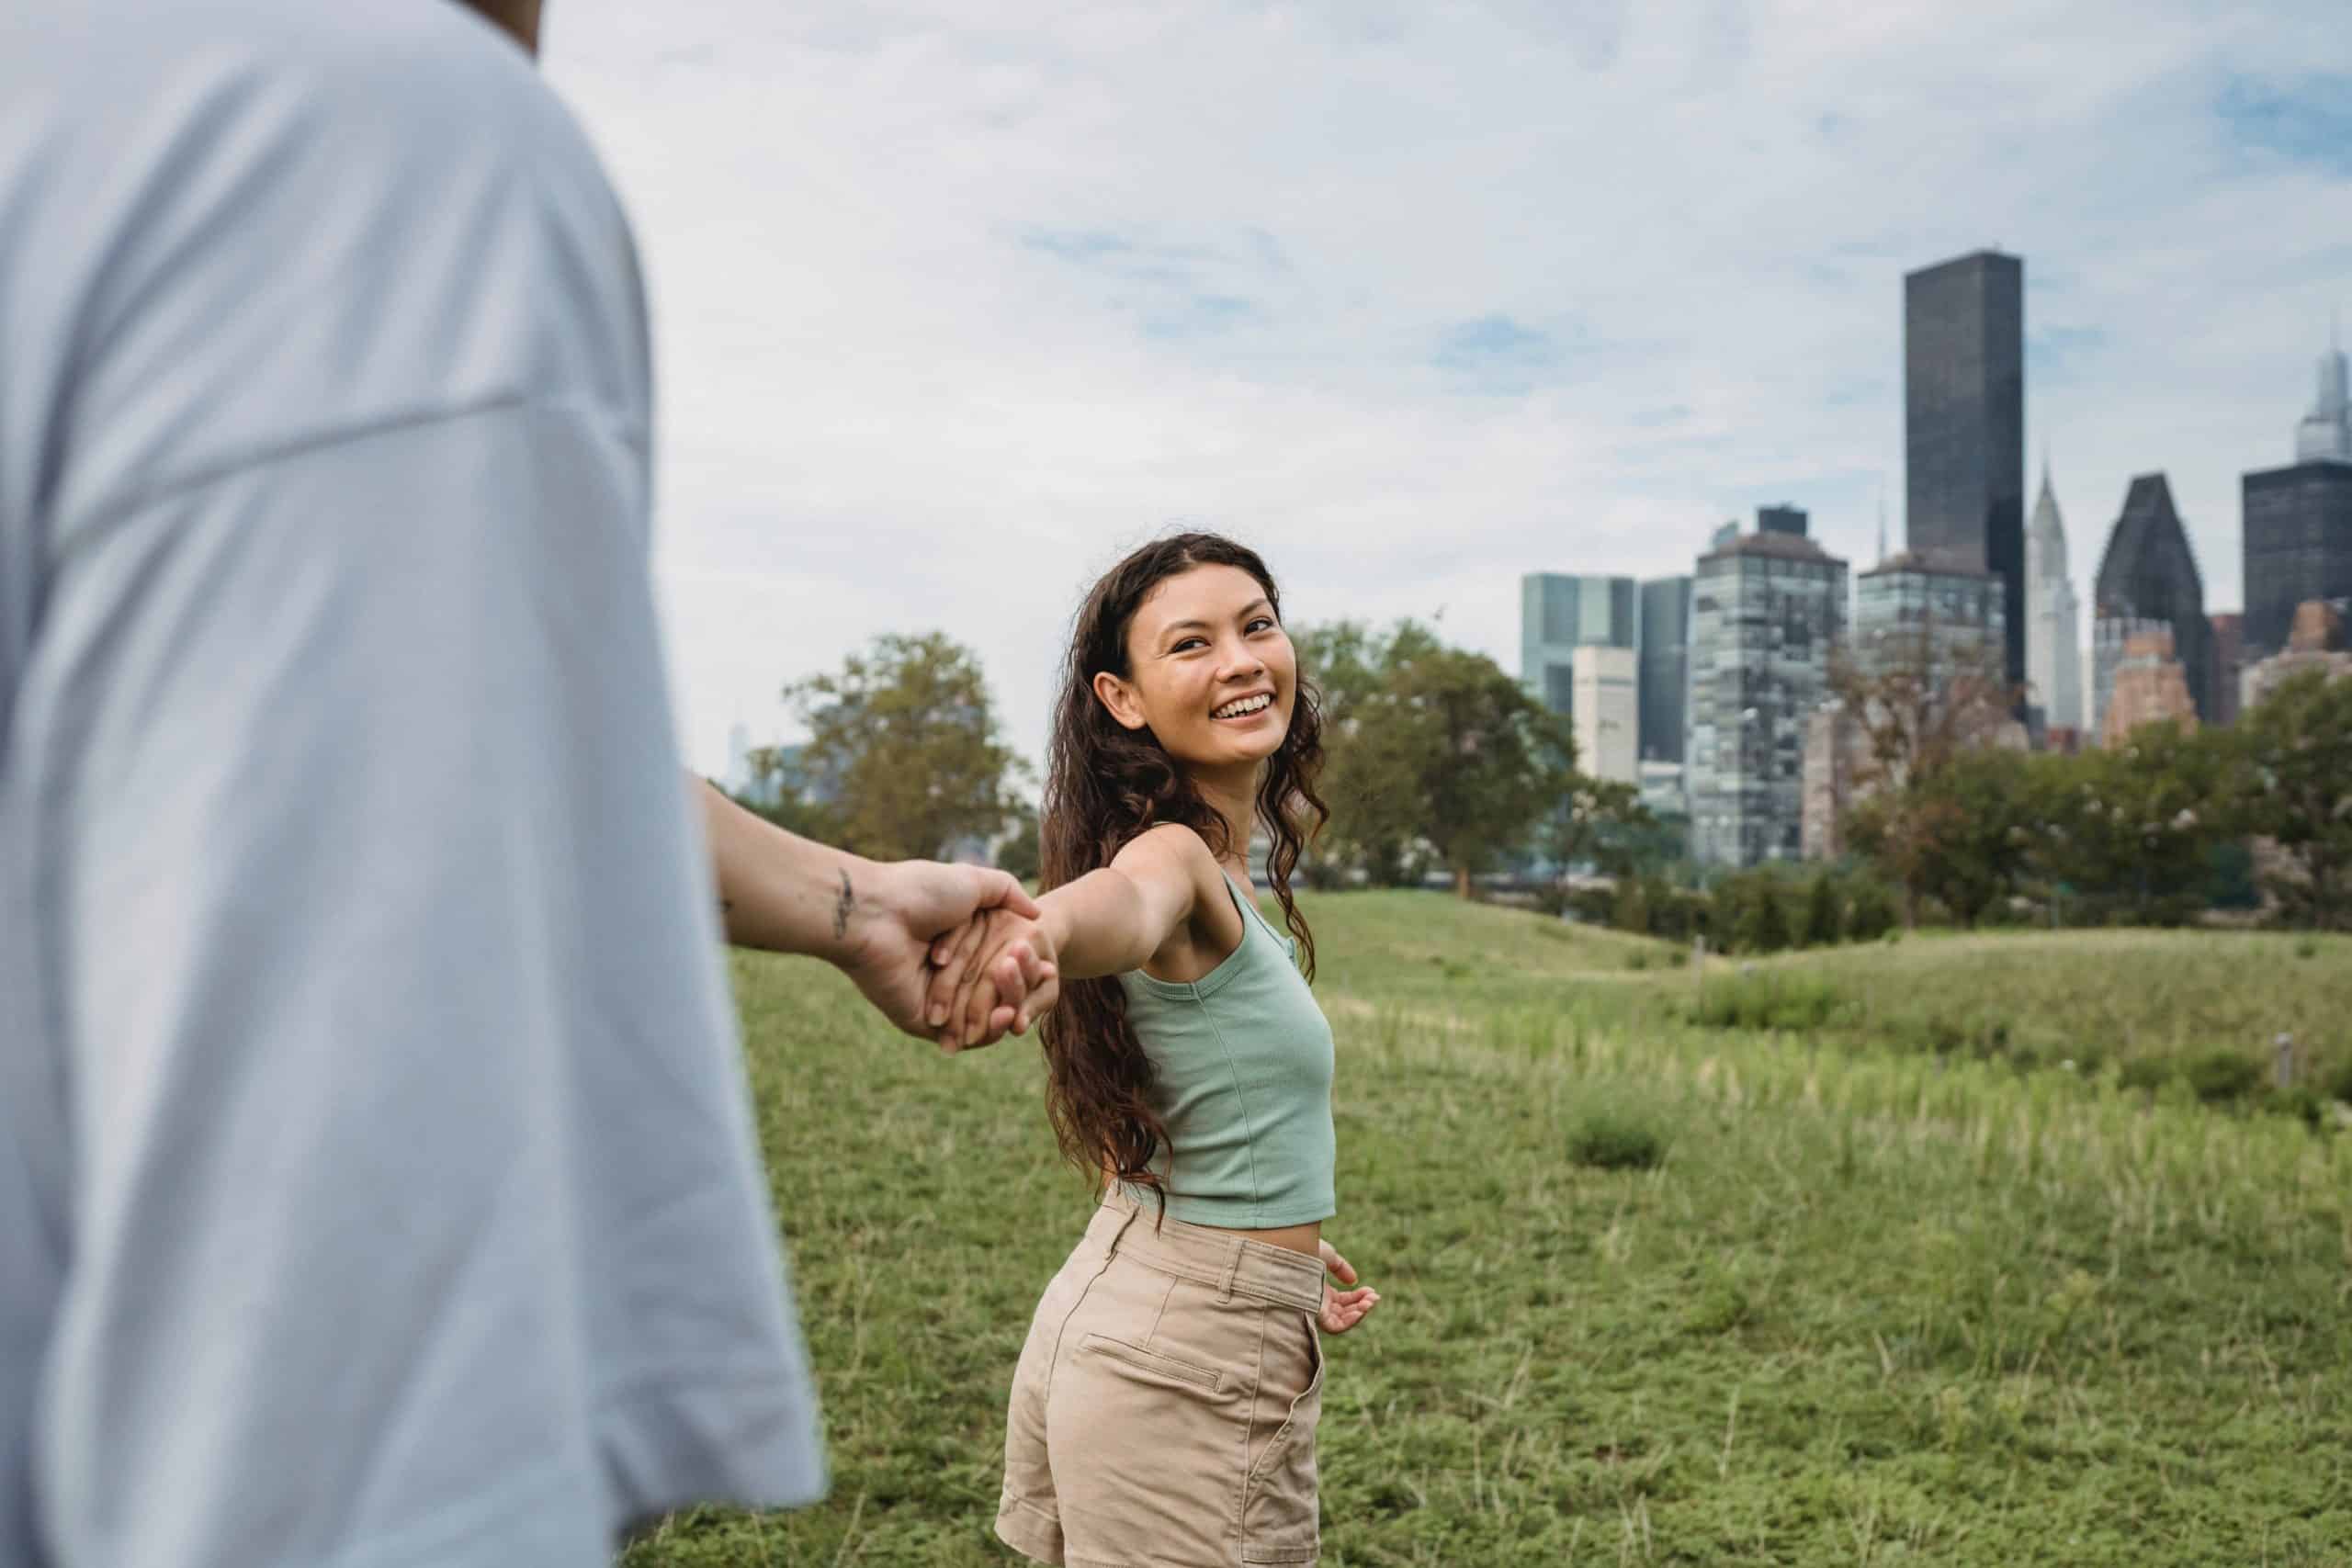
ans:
(952, 305)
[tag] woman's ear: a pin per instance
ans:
(1120, 698)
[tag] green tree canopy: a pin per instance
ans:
(903, 747)
(1434, 751)
(2294, 757)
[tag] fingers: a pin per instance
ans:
(968, 975)
(1043, 994)
(1342, 1310)
(952, 952)
(1339, 1266)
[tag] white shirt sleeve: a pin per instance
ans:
(414, 1213)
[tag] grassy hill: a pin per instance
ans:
(1878, 1287)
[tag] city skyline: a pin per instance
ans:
(950, 310)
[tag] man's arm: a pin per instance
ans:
(874, 920)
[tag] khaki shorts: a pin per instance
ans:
(1164, 1410)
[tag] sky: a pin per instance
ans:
(952, 305)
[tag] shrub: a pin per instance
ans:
(2146, 1072)
(1821, 926)
(2336, 1084)
(2219, 1076)
(2307, 947)
(1766, 1001)
(1764, 924)
(1614, 1136)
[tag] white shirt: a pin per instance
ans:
(376, 1178)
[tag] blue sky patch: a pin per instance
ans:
(2308, 118)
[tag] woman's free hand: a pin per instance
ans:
(1342, 1310)
(996, 972)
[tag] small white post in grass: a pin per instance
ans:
(2285, 1045)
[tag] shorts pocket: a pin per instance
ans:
(1280, 1506)
(1152, 1361)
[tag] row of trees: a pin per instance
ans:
(2132, 832)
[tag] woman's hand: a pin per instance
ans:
(1342, 1310)
(998, 972)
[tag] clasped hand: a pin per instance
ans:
(996, 972)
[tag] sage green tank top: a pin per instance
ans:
(1242, 1066)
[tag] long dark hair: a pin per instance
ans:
(1104, 784)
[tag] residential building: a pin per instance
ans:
(1935, 618)
(1767, 612)
(1916, 608)
(2150, 685)
(1558, 613)
(2054, 633)
(1605, 716)
(2110, 634)
(2317, 640)
(1963, 395)
(1664, 641)
(2148, 573)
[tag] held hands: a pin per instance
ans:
(1342, 1310)
(890, 916)
(996, 972)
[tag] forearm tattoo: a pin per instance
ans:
(843, 908)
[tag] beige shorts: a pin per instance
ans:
(1164, 1409)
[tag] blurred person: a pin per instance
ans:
(1165, 1406)
(378, 1183)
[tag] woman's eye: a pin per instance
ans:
(1262, 623)
(1189, 642)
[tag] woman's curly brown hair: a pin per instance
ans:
(1104, 784)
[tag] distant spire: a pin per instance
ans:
(1882, 522)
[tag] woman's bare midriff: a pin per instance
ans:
(1298, 1238)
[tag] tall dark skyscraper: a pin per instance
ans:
(2149, 573)
(2297, 521)
(1963, 403)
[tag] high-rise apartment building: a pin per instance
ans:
(1558, 614)
(2054, 633)
(1607, 715)
(1767, 612)
(2297, 521)
(1963, 397)
(1664, 639)
(2151, 686)
(1935, 617)
(2148, 573)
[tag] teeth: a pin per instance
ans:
(1246, 704)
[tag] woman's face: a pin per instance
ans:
(1210, 673)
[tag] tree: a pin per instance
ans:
(1434, 751)
(1917, 712)
(903, 747)
(1597, 821)
(1820, 926)
(1763, 921)
(2294, 758)
(2133, 825)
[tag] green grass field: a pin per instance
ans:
(1897, 1285)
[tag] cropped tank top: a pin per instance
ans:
(1241, 1064)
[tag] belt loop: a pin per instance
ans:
(1232, 1268)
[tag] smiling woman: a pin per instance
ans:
(1175, 1363)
